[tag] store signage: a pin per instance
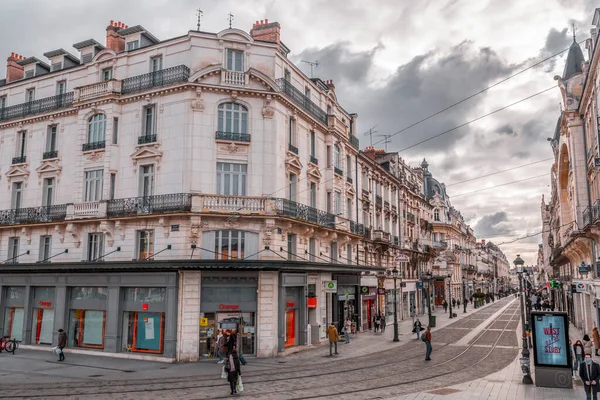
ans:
(290, 304)
(174, 228)
(311, 302)
(419, 285)
(584, 268)
(45, 303)
(145, 306)
(550, 338)
(203, 321)
(402, 258)
(229, 307)
(364, 290)
(330, 286)
(380, 291)
(580, 287)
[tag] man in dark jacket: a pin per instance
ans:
(233, 370)
(62, 343)
(589, 372)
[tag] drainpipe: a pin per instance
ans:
(589, 196)
(356, 201)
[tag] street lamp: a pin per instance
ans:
(525, 353)
(450, 293)
(428, 274)
(395, 274)
(464, 295)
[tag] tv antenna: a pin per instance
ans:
(199, 13)
(370, 132)
(230, 18)
(313, 64)
(386, 140)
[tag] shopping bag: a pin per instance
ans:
(54, 350)
(223, 373)
(240, 385)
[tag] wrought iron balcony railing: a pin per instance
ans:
(357, 229)
(354, 142)
(292, 148)
(301, 100)
(348, 179)
(93, 146)
(162, 203)
(381, 236)
(596, 211)
(314, 160)
(289, 208)
(31, 215)
(168, 76)
(145, 139)
(40, 106)
(19, 160)
(50, 154)
(233, 136)
(587, 216)
(338, 171)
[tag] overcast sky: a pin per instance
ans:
(393, 63)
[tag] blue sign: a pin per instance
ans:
(550, 339)
(419, 285)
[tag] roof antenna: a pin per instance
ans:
(199, 12)
(370, 132)
(313, 64)
(386, 140)
(230, 18)
(573, 25)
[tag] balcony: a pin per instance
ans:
(239, 204)
(378, 201)
(357, 229)
(313, 160)
(410, 217)
(439, 245)
(32, 215)
(338, 171)
(50, 154)
(394, 209)
(233, 78)
(354, 142)
(381, 236)
(596, 211)
(301, 100)
(94, 209)
(145, 139)
(165, 77)
(163, 203)
(233, 136)
(349, 180)
(289, 208)
(93, 146)
(96, 90)
(37, 107)
(19, 160)
(386, 205)
(366, 194)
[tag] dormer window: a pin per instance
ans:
(56, 67)
(235, 60)
(29, 73)
(107, 74)
(134, 44)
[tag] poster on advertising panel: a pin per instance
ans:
(550, 339)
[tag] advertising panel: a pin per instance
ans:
(550, 339)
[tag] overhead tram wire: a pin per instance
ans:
(477, 93)
(533, 234)
(500, 172)
(503, 184)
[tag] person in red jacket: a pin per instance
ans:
(428, 344)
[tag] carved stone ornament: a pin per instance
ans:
(26, 233)
(164, 222)
(233, 221)
(49, 168)
(18, 171)
(268, 112)
(95, 156)
(268, 237)
(151, 153)
(195, 225)
(73, 230)
(60, 232)
(119, 227)
(233, 148)
(108, 229)
(198, 102)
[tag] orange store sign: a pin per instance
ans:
(45, 303)
(229, 307)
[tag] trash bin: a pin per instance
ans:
(432, 321)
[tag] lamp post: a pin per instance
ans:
(450, 294)
(395, 274)
(525, 352)
(428, 274)
(464, 295)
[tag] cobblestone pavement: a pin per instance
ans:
(477, 344)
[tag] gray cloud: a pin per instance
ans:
(506, 129)
(492, 225)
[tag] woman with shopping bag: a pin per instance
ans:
(232, 366)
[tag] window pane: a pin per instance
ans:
(88, 293)
(145, 295)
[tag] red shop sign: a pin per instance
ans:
(290, 304)
(45, 303)
(229, 307)
(312, 302)
(145, 306)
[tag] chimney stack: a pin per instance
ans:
(330, 84)
(14, 71)
(265, 31)
(370, 152)
(114, 41)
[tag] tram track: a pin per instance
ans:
(281, 374)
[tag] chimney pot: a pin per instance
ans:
(266, 21)
(112, 22)
(119, 24)
(262, 22)
(12, 55)
(126, 26)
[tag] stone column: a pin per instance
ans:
(189, 317)
(267, 314)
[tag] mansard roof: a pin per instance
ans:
(574, 62)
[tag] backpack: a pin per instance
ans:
(424, 336)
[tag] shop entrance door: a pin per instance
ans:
(43, 325)
(13, 323)
(290, 328)
(439, 292)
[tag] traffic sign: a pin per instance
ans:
(330, 286)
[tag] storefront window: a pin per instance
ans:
(87, 328)
(15, 293)
(43, 315)
(88, 293)
(389, 309)
(145, 295)
(13, 323)
(144, 331)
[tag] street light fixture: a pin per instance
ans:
(525, 353)
(464, 295)
(395, 275)
(450, 294)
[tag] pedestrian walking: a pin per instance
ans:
(231, 342)
(332, 333)
(471, 299)
(572, 355)
(347, 329)
(417, 327)
(426, 337)
(383, 324)
(458, 302)
(596, 339)
(233, 369)
(579, 353)
(62, 343)
(445, 305)
(453, 302)
(376, 322)
(589, 372)
(220, 346)
(587, 344)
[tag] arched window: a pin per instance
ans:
(97, 128)
(233, 118)
(436, 215)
